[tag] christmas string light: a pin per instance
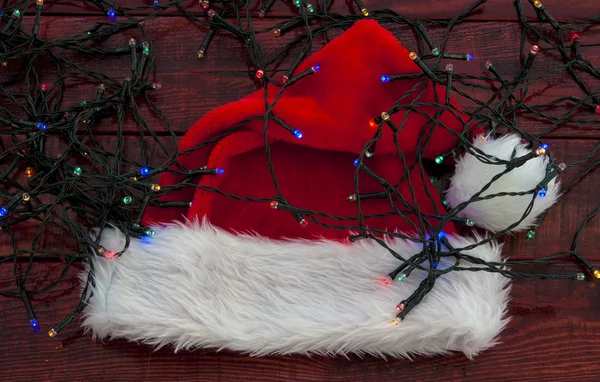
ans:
(575, 44)
(532, 55)
(463, 57)
(413, 56)
(490, 66)
(265, 8)
(294, 211)
(538, 4)
(449, 70)
(108, 185)
(213, 171)
(362, 8)
(206, 42)
(434, 50)
(38, 14)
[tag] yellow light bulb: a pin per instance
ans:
(396, 321)
(29, 172)
(385, 116)
(40, 2)
(596, 273)
(52, 333)
(412, 56)
(26, 197)
(155, 187)
(365, 12)
(537, 4)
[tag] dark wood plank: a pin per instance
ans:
(194, 87)
(554, 335)
(555, 234)
(432, 10)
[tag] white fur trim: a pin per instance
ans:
(198, 286)
(499, 213)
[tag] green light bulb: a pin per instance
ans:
(77, 171)
(146, 49)
(17, 12)
(530, 235)
(439, 159)
(127, 199)
(401, 277)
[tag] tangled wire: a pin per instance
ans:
(87, 186)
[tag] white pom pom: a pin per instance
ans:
(499, 213)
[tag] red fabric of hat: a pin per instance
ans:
(332, 108)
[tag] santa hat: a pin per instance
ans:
(267, 276)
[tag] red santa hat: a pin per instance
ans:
(229, 272)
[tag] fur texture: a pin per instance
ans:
(500, 212)
(196, 286)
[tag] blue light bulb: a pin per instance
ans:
(41, 125)
(441, 235)
(155, 2)
(385, 78)
(144, 171)
(435, 264)
(3, 211)
(33, 323)
(544, 146)
(316, 68)
(297, 133)
(355, 162)
(542, 193)
(145, 239)
(220, 171)
(470, 57)
(112, 14)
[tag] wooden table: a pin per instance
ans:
(554, 334)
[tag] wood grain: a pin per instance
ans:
(493, 10)
(554, 335)
(555, 234)
(555, 329)
(52, 239)
(194, 87)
